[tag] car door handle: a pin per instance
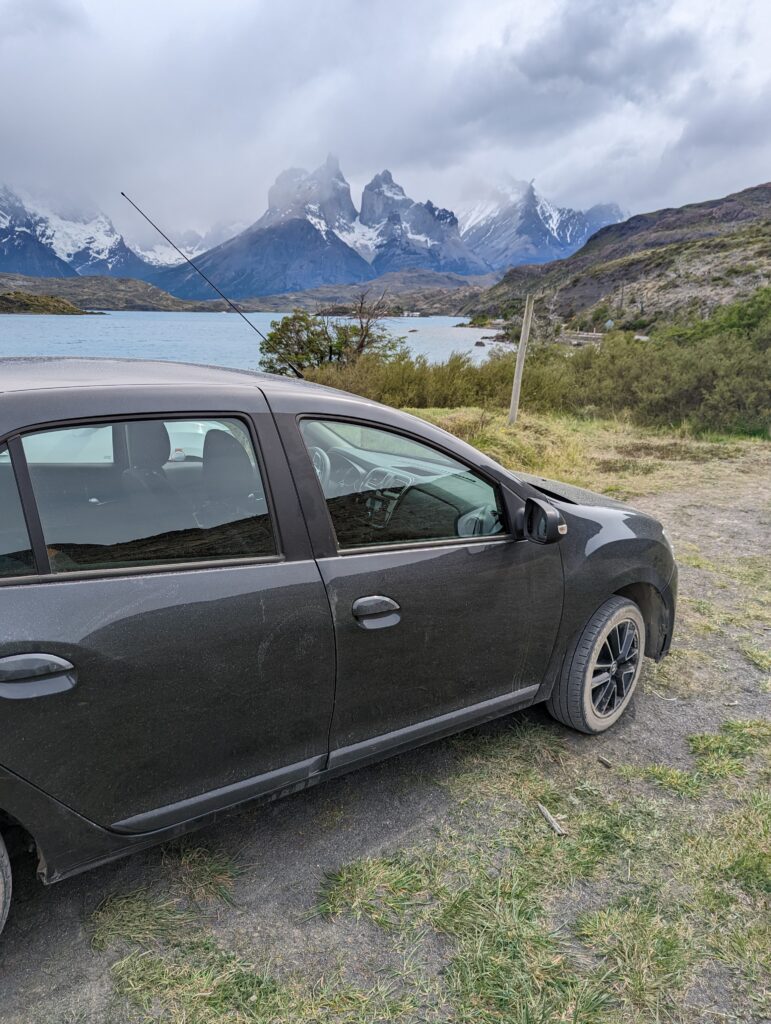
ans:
(35, 675)
(375, 612)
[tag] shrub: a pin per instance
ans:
(711, 375)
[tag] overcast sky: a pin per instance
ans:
(193, 107)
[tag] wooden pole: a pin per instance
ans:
(527, 319)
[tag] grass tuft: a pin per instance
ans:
(201, 874)
(723, 754)
(647, 956)
(137, 918)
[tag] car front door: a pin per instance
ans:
(437, 608)
(172, 651)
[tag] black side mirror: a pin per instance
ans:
(541, 522)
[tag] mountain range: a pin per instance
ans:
(311, 235)
(653, 266)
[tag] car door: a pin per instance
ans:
(172, 651)
(437, 609)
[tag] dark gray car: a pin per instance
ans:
(217, 586)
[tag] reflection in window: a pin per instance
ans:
(120, 495)
(383, 488)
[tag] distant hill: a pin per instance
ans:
(421, 291)
(24, 302)
(652, 266)
(104, 293)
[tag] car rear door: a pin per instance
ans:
(428, 623)
(172, 650)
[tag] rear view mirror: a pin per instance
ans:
(541, 522)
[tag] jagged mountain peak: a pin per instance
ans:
(514, 224)
(322, 197)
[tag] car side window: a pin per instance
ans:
(384, 488)
(15, 548)
(148, 492)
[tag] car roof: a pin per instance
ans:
(39, 373)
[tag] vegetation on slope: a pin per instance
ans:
(23, 302)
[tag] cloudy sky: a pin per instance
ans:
(194, 106)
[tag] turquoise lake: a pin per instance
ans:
(216, 338)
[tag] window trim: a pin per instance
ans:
(496, 538)
(32, 516)
(29, 507)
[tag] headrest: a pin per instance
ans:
(227, 469)
(149, 446)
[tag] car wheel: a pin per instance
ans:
(601, 672)
(5, 884)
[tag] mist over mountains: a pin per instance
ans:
(311, 235)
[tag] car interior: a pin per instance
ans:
(382, 488)
(142, 503)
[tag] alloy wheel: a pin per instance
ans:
(615, 667)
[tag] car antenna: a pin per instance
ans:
(211, 283)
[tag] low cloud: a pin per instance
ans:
(194, 108)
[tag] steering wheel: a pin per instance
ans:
(321, 464)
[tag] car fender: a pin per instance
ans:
(608, 551)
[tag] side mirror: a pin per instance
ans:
(541, 522)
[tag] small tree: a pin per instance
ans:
(303, 340)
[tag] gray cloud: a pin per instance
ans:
(30, 17)
(195, 107)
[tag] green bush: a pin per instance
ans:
(711, 375)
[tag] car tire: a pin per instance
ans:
(600, 673)
(5, 884)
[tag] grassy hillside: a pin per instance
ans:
(23, 302)
(651, 268)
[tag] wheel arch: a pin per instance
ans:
(15, 833)
(651, 603)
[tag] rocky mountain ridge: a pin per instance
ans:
(660, 265)
(310, 236)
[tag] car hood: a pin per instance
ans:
(574, 495)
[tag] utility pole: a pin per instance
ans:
(527, 319)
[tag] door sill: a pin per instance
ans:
(378, 747)
(220, 799)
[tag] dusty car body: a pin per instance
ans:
(191, 621)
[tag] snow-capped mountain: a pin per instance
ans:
(21, 251)
(311, 234)
(192, 243)
(294, 245)
(514, 224)
(400, 233)
(38, 239)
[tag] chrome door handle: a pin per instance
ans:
(375, 612)
(35, 675)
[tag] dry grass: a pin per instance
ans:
(614, 457)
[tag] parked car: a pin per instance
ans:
(218, 586)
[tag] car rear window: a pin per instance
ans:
(149, 492)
